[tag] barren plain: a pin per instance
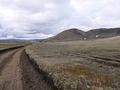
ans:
(70, 65)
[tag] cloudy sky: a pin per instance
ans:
(45, 18)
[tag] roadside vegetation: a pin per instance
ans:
(80, 65)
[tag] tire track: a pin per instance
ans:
(6, 58)
(11, 73)
(33, 79)
(18, 73)
(101, 60)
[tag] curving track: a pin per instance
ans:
(17, 73)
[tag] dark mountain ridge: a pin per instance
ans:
(102, 33)
(76, 34)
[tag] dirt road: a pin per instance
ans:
(17, 73)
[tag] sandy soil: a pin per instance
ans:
(17, 73)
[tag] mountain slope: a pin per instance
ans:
(102, 33)
(68, 35)
(75, 34)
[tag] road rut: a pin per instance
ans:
(17, 73)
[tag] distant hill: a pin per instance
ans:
(75, 34)
(68, 35)
(20, 40)
(102, 33)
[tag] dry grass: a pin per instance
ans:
(5, 44)
(73, 65)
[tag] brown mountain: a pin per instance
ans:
(68, 35)
(75, 34)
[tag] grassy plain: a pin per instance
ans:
(80, 65)
(6, 44)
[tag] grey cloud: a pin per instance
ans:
(1, 27)
(44, 18)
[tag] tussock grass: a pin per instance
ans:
(75, 65)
